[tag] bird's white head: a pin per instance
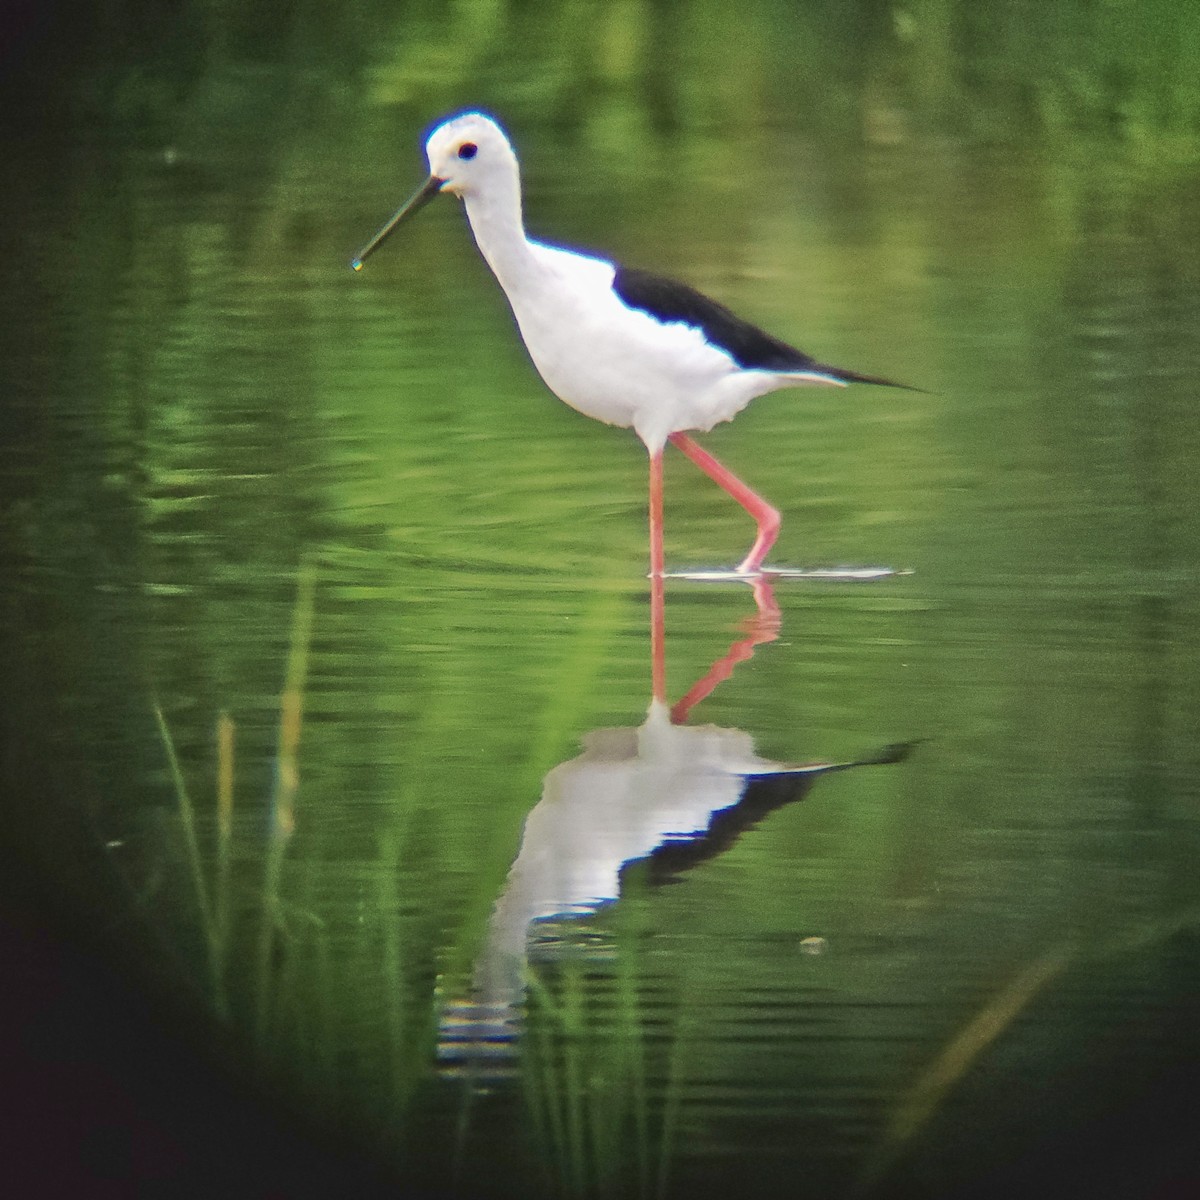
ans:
(470, 155)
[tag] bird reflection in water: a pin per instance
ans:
(665, 795)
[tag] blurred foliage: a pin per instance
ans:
(1125, 69)
(996, 202)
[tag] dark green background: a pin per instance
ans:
(205, 414)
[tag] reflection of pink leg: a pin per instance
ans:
(761, 628)
(765, 516)
(658, 653)
(658, 639)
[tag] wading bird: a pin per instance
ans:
(624, 346)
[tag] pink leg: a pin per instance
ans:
(656, 514)
(765, 516)
(658, 654)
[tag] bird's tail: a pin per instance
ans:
(844, 376)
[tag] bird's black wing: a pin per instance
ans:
(753, 349)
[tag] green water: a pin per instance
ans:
(239, 479)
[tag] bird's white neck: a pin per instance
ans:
(495, 217)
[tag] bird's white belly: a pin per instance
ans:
(622, 367)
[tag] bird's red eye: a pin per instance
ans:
(468, 150)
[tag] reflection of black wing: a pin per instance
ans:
(762, 796)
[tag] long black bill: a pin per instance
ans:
(418, 199)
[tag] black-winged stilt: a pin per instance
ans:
(621, 345)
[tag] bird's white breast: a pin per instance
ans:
(617, 364)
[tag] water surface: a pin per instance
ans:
(320, 593)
